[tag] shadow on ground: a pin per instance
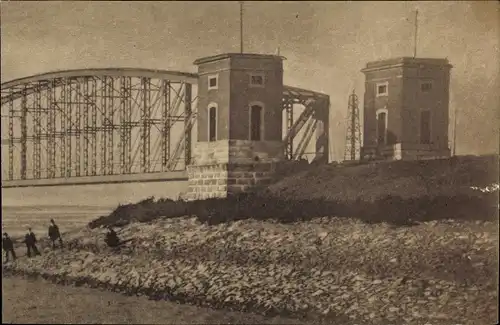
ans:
(394, 210)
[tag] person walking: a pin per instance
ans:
(30, 241)
(54, 234)
(8, 247)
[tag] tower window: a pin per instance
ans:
(425, 127)
(426, 86)
(256, 123)
(382, 89)
(257, 80)
(212, 123)
(213, 82)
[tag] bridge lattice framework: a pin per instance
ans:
(97, 122)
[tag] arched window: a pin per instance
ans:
(212, 123)
(256, 112)
(382, 126)
(425, 127)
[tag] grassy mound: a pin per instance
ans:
(400, 193)
(407, 179)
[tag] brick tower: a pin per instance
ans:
(406, 109)
(239, 124)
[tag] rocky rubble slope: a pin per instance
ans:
(334, 269)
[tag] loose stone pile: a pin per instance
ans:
(336, 269)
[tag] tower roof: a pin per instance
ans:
(238, 56)
(405, 61)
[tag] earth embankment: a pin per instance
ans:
(399, 193)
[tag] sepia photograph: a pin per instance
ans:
(250, 162)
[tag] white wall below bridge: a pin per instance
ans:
(98, 195)
(73, 206)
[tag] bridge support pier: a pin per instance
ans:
(229, 167)
(239, 124)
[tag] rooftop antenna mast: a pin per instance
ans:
(241, 26)
(415, 35)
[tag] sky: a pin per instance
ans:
(326, 45)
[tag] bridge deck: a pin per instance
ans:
(107, 179)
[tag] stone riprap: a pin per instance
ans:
(337, 269)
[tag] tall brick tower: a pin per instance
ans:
(239, 124)
(406, 109)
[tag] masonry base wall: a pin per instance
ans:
(400, 151)
(237, 152)
(221, 180)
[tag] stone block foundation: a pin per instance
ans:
(401, 151)
(221, 180)
(237, 152)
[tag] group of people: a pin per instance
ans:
(30, 241)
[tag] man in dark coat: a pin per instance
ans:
(8, 247)
(54, 234)
(112, 238)
(30, 241)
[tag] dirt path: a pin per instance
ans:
(54, 304)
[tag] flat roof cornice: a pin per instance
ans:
(405, 62)
(237, 55)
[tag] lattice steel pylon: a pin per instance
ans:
(353, 130)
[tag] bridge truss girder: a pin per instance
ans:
(94, 125)
(101, 122)
(313, 118)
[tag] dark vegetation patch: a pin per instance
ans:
(399, 193)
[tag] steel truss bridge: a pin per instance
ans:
(120, 125)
